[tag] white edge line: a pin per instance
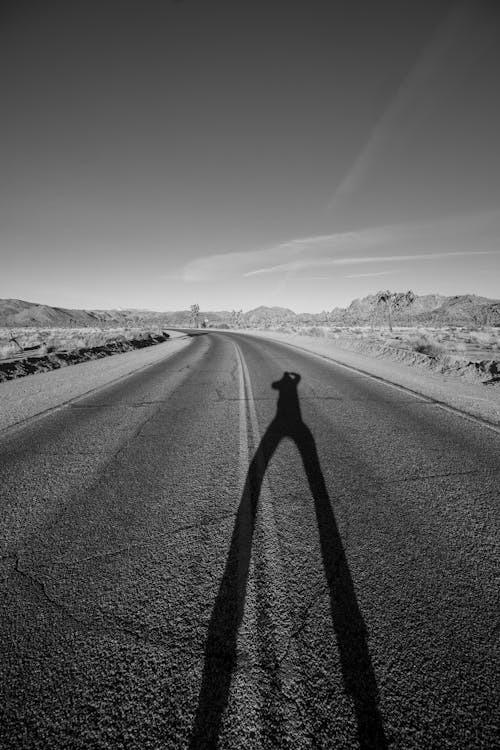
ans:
(243, 453)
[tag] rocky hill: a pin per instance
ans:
(19, 313)
(429, 309)
(263, 316)
(360, 311)
(466, 309)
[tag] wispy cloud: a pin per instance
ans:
(439, 64)
(297, 254)
(350, 261)
(373, 273)
(454, 237)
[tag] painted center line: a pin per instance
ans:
(266, 599)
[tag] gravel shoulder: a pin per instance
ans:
(27, 397)
(479, 400)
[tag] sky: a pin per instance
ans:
(236, 153)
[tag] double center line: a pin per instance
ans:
(265, 634)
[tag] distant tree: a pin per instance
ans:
(393, 302)
(15, 341)
(195, 315)
(237, 318)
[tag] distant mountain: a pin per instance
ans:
(15, 313)
(428, 309)
(466, 309)
(18, 313)
(265, 316)
(360, 311)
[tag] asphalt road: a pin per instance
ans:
(246, 546)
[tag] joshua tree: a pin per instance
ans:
(394, 302)
(236, 318)
(195, 315)
(15, 341)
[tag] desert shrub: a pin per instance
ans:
(425, 344)
(49, 348)
(315, 331)
(395, 343)
(481, 338)
(8, 349)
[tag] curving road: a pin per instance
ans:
(249, 546)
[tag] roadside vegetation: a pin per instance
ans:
(476, 342)
(25, 351)
(40, 341)
(473, 352)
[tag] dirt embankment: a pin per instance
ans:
(446, 364)
(423, 351)
(477, 395)
(30, 365)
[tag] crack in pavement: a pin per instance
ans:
(321, 593)
(303, 618)
(444, 475)
(126, 549)
(118, 405)
(122, 627)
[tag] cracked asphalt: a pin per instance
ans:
(212, 552)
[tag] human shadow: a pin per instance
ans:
(352, 642)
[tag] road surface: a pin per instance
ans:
(249, 546)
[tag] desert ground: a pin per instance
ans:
(28, 351)
(459, 342)
(39, 340)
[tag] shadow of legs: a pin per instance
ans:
(221, 645)
(352, 642)
(227, 615)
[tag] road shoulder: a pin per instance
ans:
(26, 398)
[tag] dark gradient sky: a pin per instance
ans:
(242, 152)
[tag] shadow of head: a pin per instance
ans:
(288, 407)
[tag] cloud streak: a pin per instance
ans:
(435, 71)
(374, 273)
(451, 238)
(349, 261)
